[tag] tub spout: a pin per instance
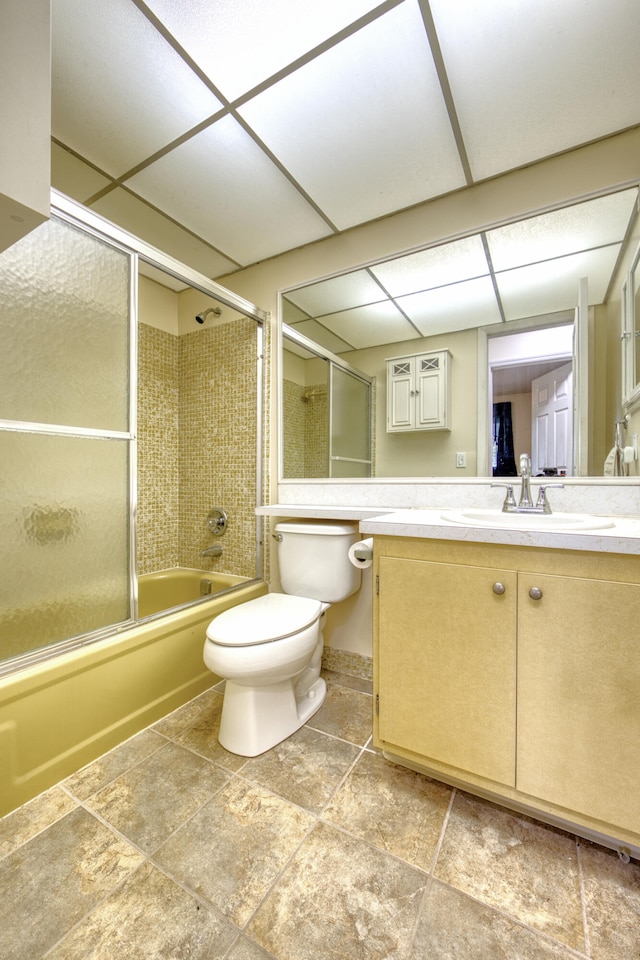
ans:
(213, 551)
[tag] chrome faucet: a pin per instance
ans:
(526, 504)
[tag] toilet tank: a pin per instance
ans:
(313, 558)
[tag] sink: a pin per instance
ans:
(527, 521)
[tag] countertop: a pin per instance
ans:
(623, 537)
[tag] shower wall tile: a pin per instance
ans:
(197, 428)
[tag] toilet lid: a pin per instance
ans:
(267, 618)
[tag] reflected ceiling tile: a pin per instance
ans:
(532, 79)
(435, 267)
(592, 224)
(552, 286)
(364, 128)
(221, 186)
(456, 307)
(139, 218)
(338, 293)
(326, 338)
(240, 43)
(371, 326)
(71, 176)
(120, 91)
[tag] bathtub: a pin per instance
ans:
(60, 714)
(174, 587)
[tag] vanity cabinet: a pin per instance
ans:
(418, 392)
(514, 673)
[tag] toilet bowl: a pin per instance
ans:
(269, 650)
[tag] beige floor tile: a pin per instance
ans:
(50, 883)
(149, 917)
(452, 926)
(32, 818)
(356, 683)
(246, 950)
(396, 809)
(305, 769)
(111, 765)
(524, 868)
(612, 898)
(180, 720)
(233, 849)
(151, 801)
(339, 897)
(346, 714)
(202, 735)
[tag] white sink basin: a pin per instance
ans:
(527, 521)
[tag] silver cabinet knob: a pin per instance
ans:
(535, 593)
(499, 588)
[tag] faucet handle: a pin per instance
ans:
(509, 499)
(542, 501)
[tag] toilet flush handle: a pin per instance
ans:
(278, 536)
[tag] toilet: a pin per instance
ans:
(269, 650)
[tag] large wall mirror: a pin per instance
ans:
(523, 311)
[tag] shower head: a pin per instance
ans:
(201, 317)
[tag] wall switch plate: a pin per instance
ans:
(461, 459)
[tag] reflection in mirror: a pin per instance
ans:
(326, 413)
(462, 295)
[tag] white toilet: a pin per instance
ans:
(269, 650)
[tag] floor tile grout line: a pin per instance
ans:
(443, 830)
(583, 900)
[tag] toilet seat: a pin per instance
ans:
(263, 620)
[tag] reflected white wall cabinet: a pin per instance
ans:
(418, 392)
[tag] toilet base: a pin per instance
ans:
(254, 719)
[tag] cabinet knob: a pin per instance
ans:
(499, 588)
(535, 593)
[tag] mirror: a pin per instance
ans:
(464, 296)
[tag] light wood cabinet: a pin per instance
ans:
(514, 673)
(418, 392)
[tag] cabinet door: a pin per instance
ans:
(579, 696)
(447, 664)
(401, 395)
(430, 381)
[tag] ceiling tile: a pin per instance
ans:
(326, 338)
(221, 186)
(592, 224)
(120, 91)
(532, 79)
(370, 326)
(454, 307)
(337, 293)
(73, 177)
(435, 267)
(131, 213)
(364, 128)
(553, 285)
(240, 43)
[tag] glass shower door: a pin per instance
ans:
(349, 430)
(65, 437)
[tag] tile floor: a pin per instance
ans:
(170, 847)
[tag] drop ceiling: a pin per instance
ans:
(225, 132)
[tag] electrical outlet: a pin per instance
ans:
(461, 459)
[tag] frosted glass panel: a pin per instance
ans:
(349, 417)
(64, 530)
(64, 321)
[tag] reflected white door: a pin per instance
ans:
(552, 420)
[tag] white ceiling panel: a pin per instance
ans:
(73, 177)
(143, 221)
(471, 303)
(594, 223)
(120, 92)
(532, 79)
(321, 335)
(338, 293)
(436, 267)
(240, 43)
(552, 286)
(221, 186)
(364, 128)
(370, 326)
